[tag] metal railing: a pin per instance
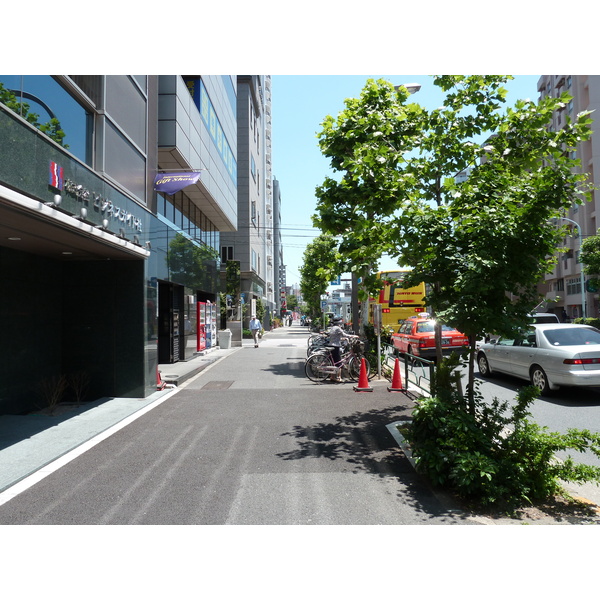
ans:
(417, 371)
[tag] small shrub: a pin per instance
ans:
(79, 383)
(593, 321)
(52, 390)
(496, 455)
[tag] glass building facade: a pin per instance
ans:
(102, 274)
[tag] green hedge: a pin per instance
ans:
(496, 456)
(593, 321)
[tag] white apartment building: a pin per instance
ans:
(565, 288)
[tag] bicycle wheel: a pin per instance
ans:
(317, 346)
(314, 366)
(354, 368)
(311, 339)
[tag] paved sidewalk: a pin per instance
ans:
(30, 442)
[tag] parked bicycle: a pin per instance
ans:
(319, 366)
(317, 341)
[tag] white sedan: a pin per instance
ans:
(548, 355)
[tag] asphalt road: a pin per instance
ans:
(560, 410)
(248, 441)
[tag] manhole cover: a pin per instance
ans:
(217, 385)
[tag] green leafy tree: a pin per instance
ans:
(292, 302)
(481, 245)
(320, 263)
(370, 134)
(590, 257)
(485, 243)
(233, 287)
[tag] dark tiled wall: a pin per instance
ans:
(61, 318)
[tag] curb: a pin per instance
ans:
(401, 441)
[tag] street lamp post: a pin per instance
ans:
(583, 302)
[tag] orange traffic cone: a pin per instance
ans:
(396, 379)
(363, 379)
(160, 384)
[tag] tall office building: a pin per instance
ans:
(279, 266)
(565, 288)
(113, 194)
(252, 245)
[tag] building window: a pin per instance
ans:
(559, 285)
(226, 253)
(180, 212)
(211, 121)
(47, 99)
(574, 286)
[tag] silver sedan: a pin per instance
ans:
(548, 355)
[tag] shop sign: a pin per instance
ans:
(107, 208)
(171, 183)
(56, 176)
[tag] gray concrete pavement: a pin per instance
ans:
(28, 443)
(249, 441)
(245, 439)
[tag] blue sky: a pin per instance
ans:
(299, 105)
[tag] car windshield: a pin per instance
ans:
(544, 319)
(572, 336)
(427, 327)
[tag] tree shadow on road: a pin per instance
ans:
(364, 443)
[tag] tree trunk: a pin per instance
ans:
(438, 341)
(471, 378)
(437, 331)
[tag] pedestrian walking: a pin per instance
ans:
(255, 328)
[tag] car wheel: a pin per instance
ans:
(539, 379)
(484, 366)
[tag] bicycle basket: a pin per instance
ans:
(358, 346)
